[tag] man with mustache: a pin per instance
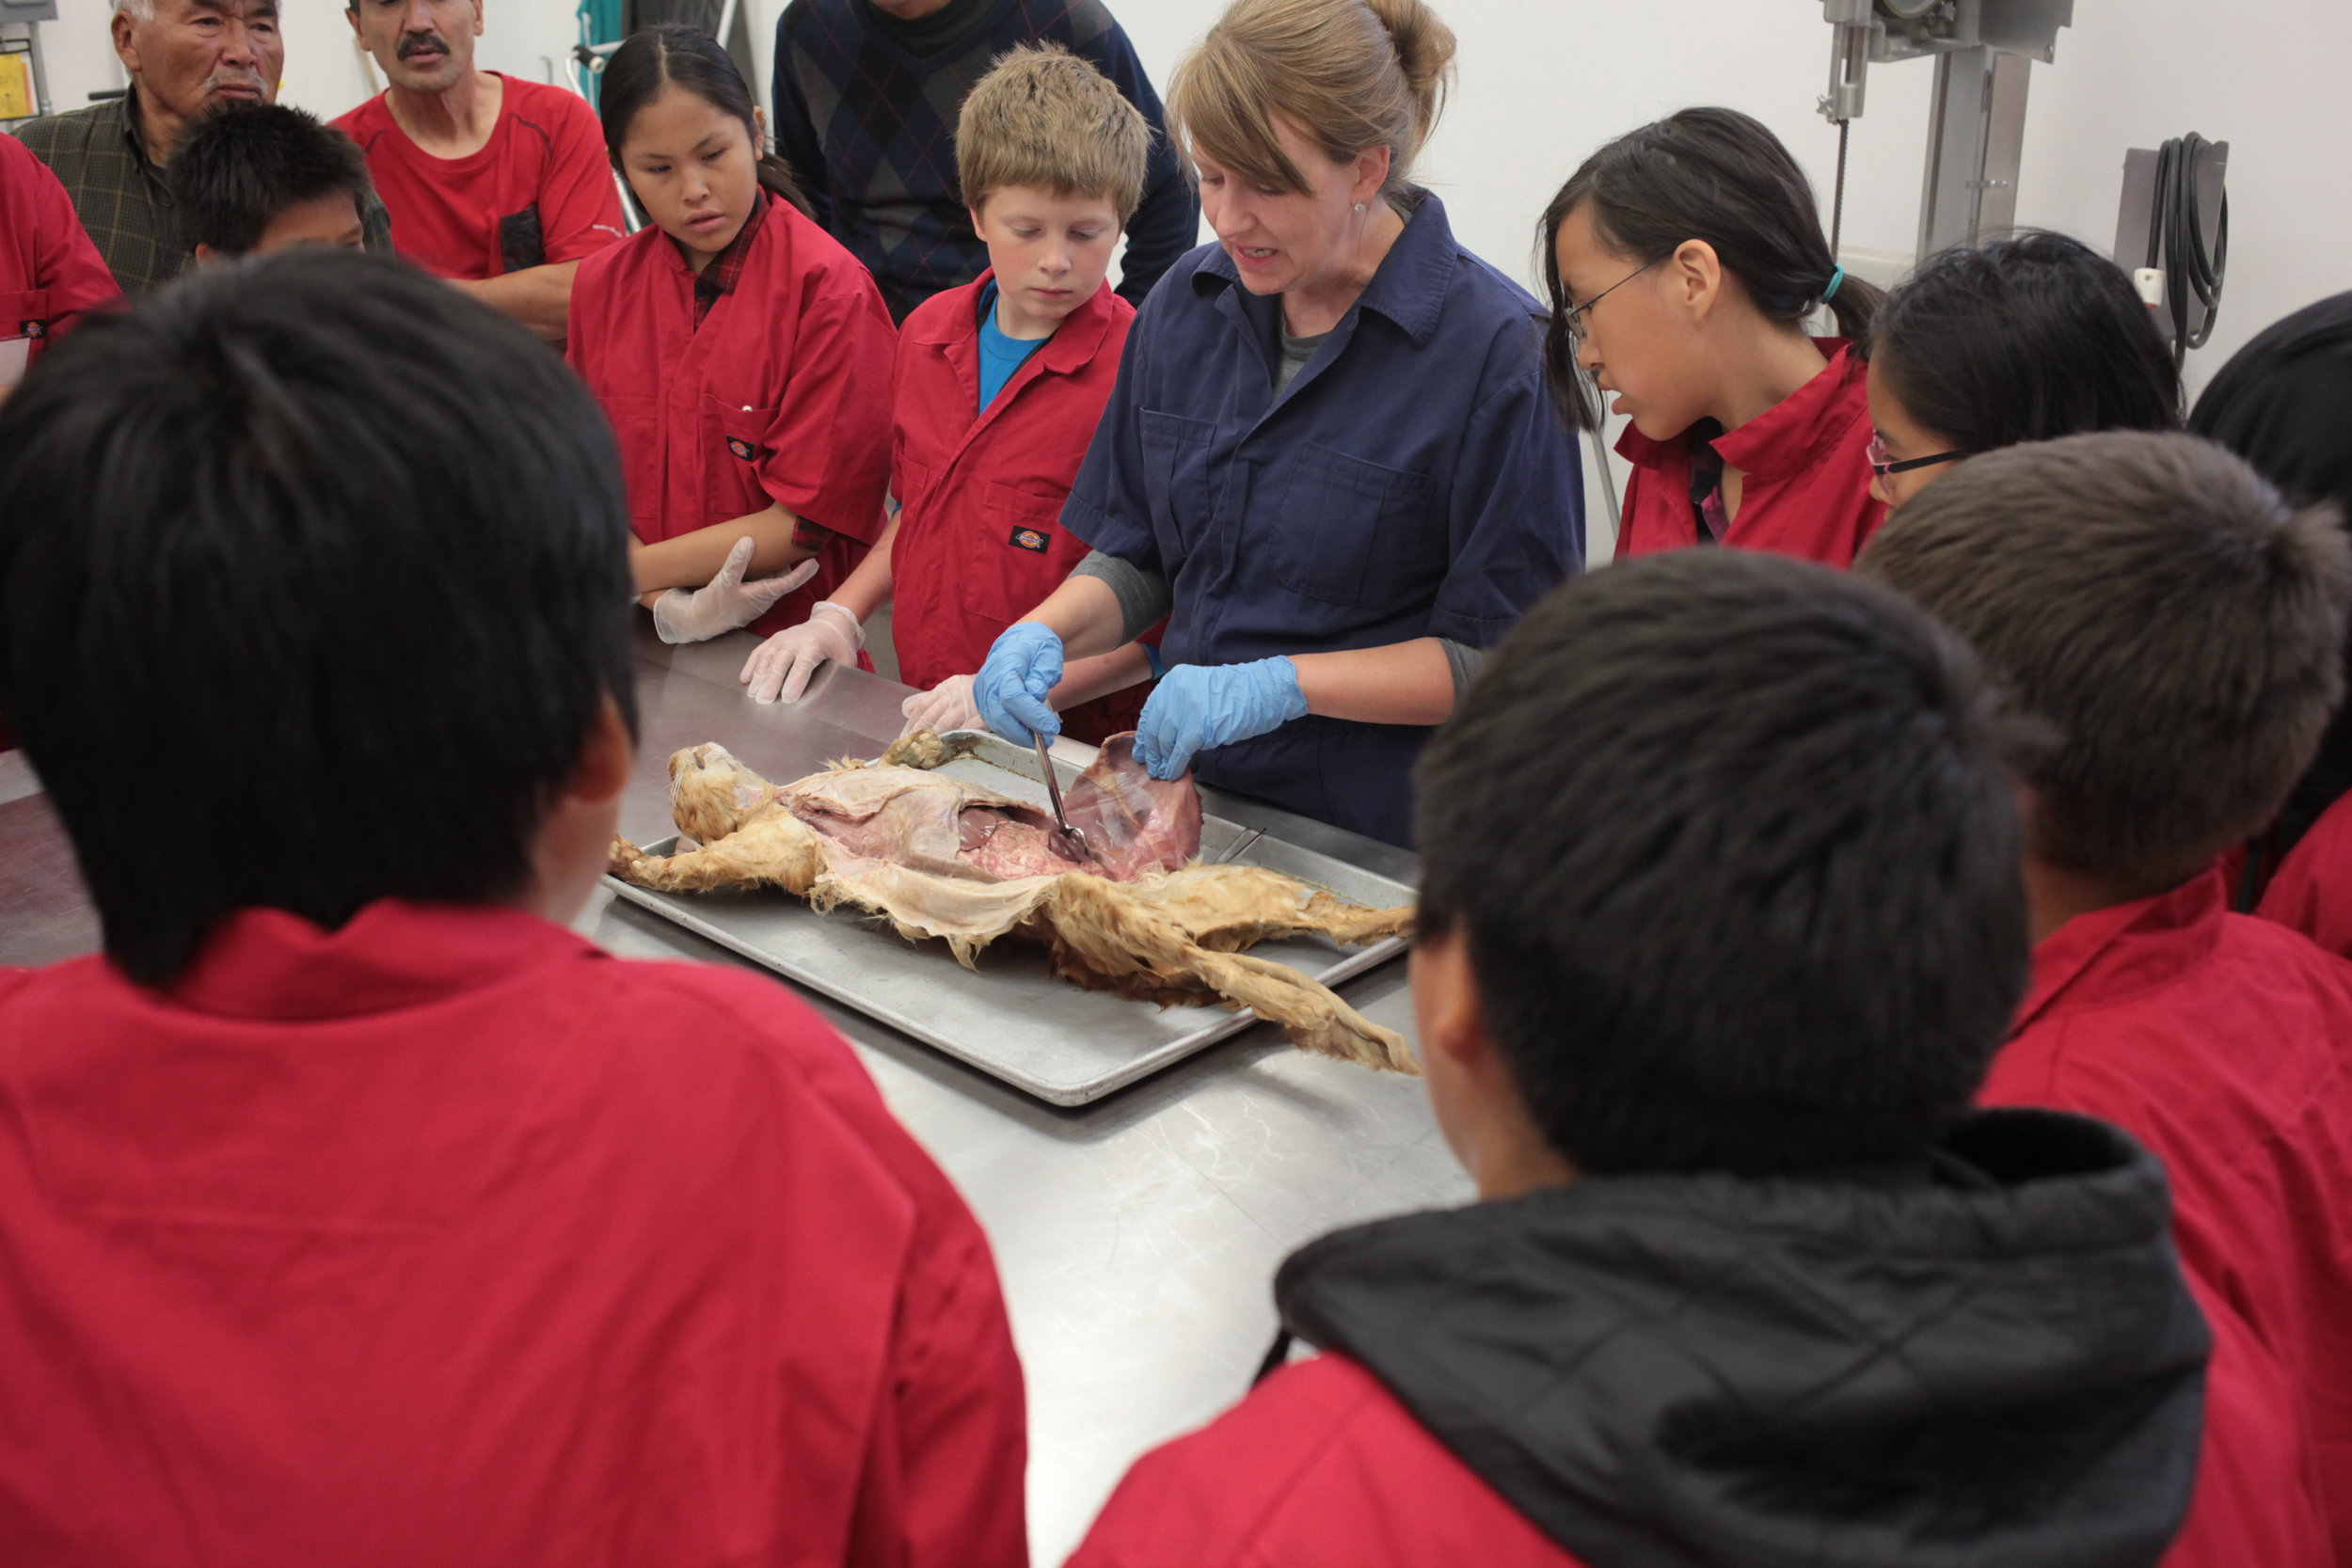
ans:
(500, 184)
(185, 58)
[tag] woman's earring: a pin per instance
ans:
(1359, 206)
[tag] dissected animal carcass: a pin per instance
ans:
(938, 858)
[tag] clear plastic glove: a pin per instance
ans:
(784, 665)
(1199, 705)
(726, 601)
(1010, 690)
(945, 706)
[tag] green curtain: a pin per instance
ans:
(600, 22)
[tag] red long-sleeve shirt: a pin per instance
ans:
(2224, 1044)
(448, 1237)
(2312, 892)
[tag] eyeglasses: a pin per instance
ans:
(1881, 465)
(1575, 312)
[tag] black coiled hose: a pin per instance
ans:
(2176, 241)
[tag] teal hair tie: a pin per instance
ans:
(1837, 281)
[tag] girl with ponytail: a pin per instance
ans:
(1683, 258)
(742, 356)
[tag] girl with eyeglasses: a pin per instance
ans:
(2018, 340)
(1683, 258)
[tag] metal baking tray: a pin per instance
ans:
(1010, 1017)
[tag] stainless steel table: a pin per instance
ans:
(1138, 1236)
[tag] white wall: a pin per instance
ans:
(324, 73)
(1544, 81)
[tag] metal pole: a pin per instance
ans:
(2004, 146)
(1955, 121)
(1975, 139)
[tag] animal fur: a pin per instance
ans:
(1166, 937)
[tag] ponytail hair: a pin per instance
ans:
(1709, 174)
(659, 56)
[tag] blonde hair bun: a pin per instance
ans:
(1354, 74)
(1424, 51)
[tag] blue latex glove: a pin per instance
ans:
(1199, 705)
(1023, 665)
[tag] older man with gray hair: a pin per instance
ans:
(185, 58)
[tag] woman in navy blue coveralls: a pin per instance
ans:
(1330, 460)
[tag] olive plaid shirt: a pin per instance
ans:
(125, 200)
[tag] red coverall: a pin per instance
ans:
(1321, 1467)
(448, 1237)
(980, 542)
(782, 395)
(2312, 892)
(1808, 490)
(2224, 1044)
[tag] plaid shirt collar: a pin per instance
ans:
(727, 268)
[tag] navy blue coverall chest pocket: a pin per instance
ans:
(1176, 472)
(1356, 533)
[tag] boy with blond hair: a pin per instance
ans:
(995, 398)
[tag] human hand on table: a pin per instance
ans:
(726, 601)
(1022, 669)
(945, 706)
(1199, 705)
(784, 665)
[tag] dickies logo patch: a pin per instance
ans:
(32, 329)
(1031, 539)
(741, 448)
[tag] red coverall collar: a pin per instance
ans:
(727, 267)
(2127, 949)
(1791, 435)
(1069, 350)
(270, 965)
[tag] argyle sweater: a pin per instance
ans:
(868, 125)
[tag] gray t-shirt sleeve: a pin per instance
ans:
(1464, 660)
(1144, 598)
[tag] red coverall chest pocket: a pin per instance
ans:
(1019, 551)
(735, 451)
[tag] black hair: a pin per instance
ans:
(653, 58)
(1707, 174)
(313, 579)
(2024, 338)
(2152, 600)
(1730, 841)
(2280, 404)
(241, 166)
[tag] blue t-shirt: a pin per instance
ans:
(1000, 355)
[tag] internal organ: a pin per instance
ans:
(1134, 824)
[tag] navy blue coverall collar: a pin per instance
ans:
(1409, 287)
